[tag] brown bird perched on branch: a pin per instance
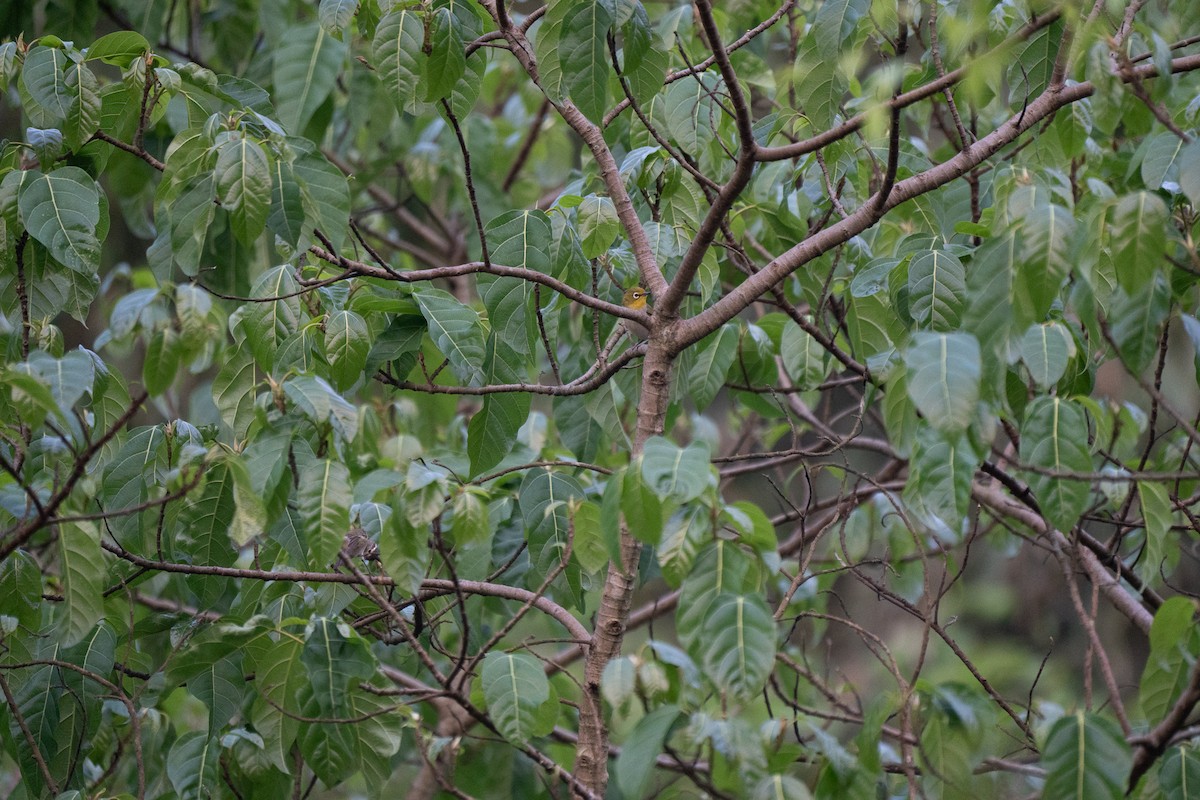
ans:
(358, 545)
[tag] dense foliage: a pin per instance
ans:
(333, 463)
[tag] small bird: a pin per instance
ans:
(635, 298)
(358, 545)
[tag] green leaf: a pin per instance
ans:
(707, 374)
(493, 429)
(641, 749)
(835, 23)
(268, 324)
(598, 224)
(397, 55)
(119, 48)
(641, 507)
(82, 571)
(738, 650)
(804, 359)
(61, 210)
(1139, 239)
(721, 568)
(193, 765)
(1086, 758)
(589, 538)
(819, 83)
(324, 193)
(456, 331)
(44, 91)
(447, 56)
(688, 106)
(233, 391)
(521, 239)
(337, 659)
(937, 287)
(307, 64)
(187, 219)
(161, 362)
(943, 378)
(324, 498)
(1161, 163)
(1054, 437)
(676, 473)
(221, 687)
(1174, 647)
(1157, 519)
(1189, 172)
(243, 183)
(1046, 350)
(404, 550)
(347, 343)
(780, 787)
(1046, 234)
(941, 472)
(1136, 321)
(83, 114)
(336, 15)
(994, 307)
(583, 50)
(1179, 773)
(516, 689)
(545, 500)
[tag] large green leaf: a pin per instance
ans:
(347, 343)
(583, 50)
(447, 59)
(324, 193)
(806, 361)
(676, 473)
(1179, 773)
(44, 83)
(1046, 350)
(712, 364)
(193, 765)
(834, 24)
(517, 693)
(722, 568)
(545, 499)
(493, 429)
(398, 57)
(641, 749)
(82, 572)
(942, 469)
(738, 649)
(937, 287)
(324, 498)
(1139, 239)
(307, 64)
(1086, 758)
(521, 239)
(1174, 647)
(61, 209)
(1136, 320)
(270, 322)
(457, 332)
(83, 114)
(337, 659)
(943, 378)
(243, 183)
(1054, 438)
(1046, 234)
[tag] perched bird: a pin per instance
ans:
(358, 545)
(635, 298)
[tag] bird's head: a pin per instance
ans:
(635, 298)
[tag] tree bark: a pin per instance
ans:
(612, 618)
